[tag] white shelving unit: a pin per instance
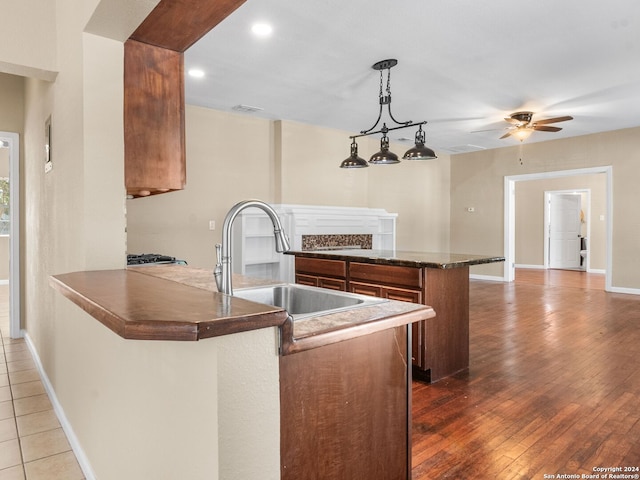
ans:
(254, 243)
(254, 253)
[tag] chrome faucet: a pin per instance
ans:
(222, 272)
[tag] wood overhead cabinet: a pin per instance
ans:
(440, 345)
(154, 133)
(154, 146)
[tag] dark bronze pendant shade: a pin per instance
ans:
(384, 156)
(420, 151)
(354, 161)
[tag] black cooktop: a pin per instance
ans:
(146, 258)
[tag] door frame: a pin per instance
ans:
(15, 330)
(547, 220)
(510, 215)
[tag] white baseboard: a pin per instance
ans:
(491, 278)
(83, 461)
(524, 265)
(629, 291)
(4, 281)
(597, 270)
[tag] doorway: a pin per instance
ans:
(510, 215)
(10, 216)
(565, 228)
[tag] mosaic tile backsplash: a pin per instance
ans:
(337, 242)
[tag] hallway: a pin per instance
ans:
(33, 445)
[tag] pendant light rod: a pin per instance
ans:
(385, 99)
(386, 129)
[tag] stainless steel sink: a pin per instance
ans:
(301, 301)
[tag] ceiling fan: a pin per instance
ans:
(524, 126)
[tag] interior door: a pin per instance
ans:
(564, 230)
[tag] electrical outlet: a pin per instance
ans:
(212, 224)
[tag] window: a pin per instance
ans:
(4, 206)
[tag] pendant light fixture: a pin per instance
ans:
(384, 156)
(354, 161)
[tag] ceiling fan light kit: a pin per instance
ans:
(524, 126)
(384, 156)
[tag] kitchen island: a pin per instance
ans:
(229, 388)
(440, 345)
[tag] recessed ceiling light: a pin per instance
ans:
(196, 73)
(261, 29)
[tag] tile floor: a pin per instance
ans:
(33, 445)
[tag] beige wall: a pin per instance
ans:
(12, 101)
(232, 157)
(171, 410)
(477, 179)
(229, 159)
(530, 196)
(29, 38)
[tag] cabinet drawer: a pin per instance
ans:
(309, 280)
(321, 267)
(332, 283)
(402, 295)
(398, 294)
(366, 289)
(386, 274)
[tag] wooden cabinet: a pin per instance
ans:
(346, 413)
(153, 119)
(154, 138)
(440, 345)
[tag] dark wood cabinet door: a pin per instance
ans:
(346, 410)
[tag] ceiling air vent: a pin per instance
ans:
(464, 148)
(246, 109)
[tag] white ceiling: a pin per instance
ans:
(463, 65)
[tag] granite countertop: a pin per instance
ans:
(178, 302)
(400, 258)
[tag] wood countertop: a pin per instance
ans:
(400, 258)
(177, 302)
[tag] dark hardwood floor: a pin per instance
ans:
(553, 387)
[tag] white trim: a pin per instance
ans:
(630, 291)
(509, 216)
(83, 461)
(534, 267)
(491, 278)
(597, 270)
(14, 233)
(4, 281)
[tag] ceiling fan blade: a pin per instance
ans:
(553, 120)
(506, 135)
(546, 128)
